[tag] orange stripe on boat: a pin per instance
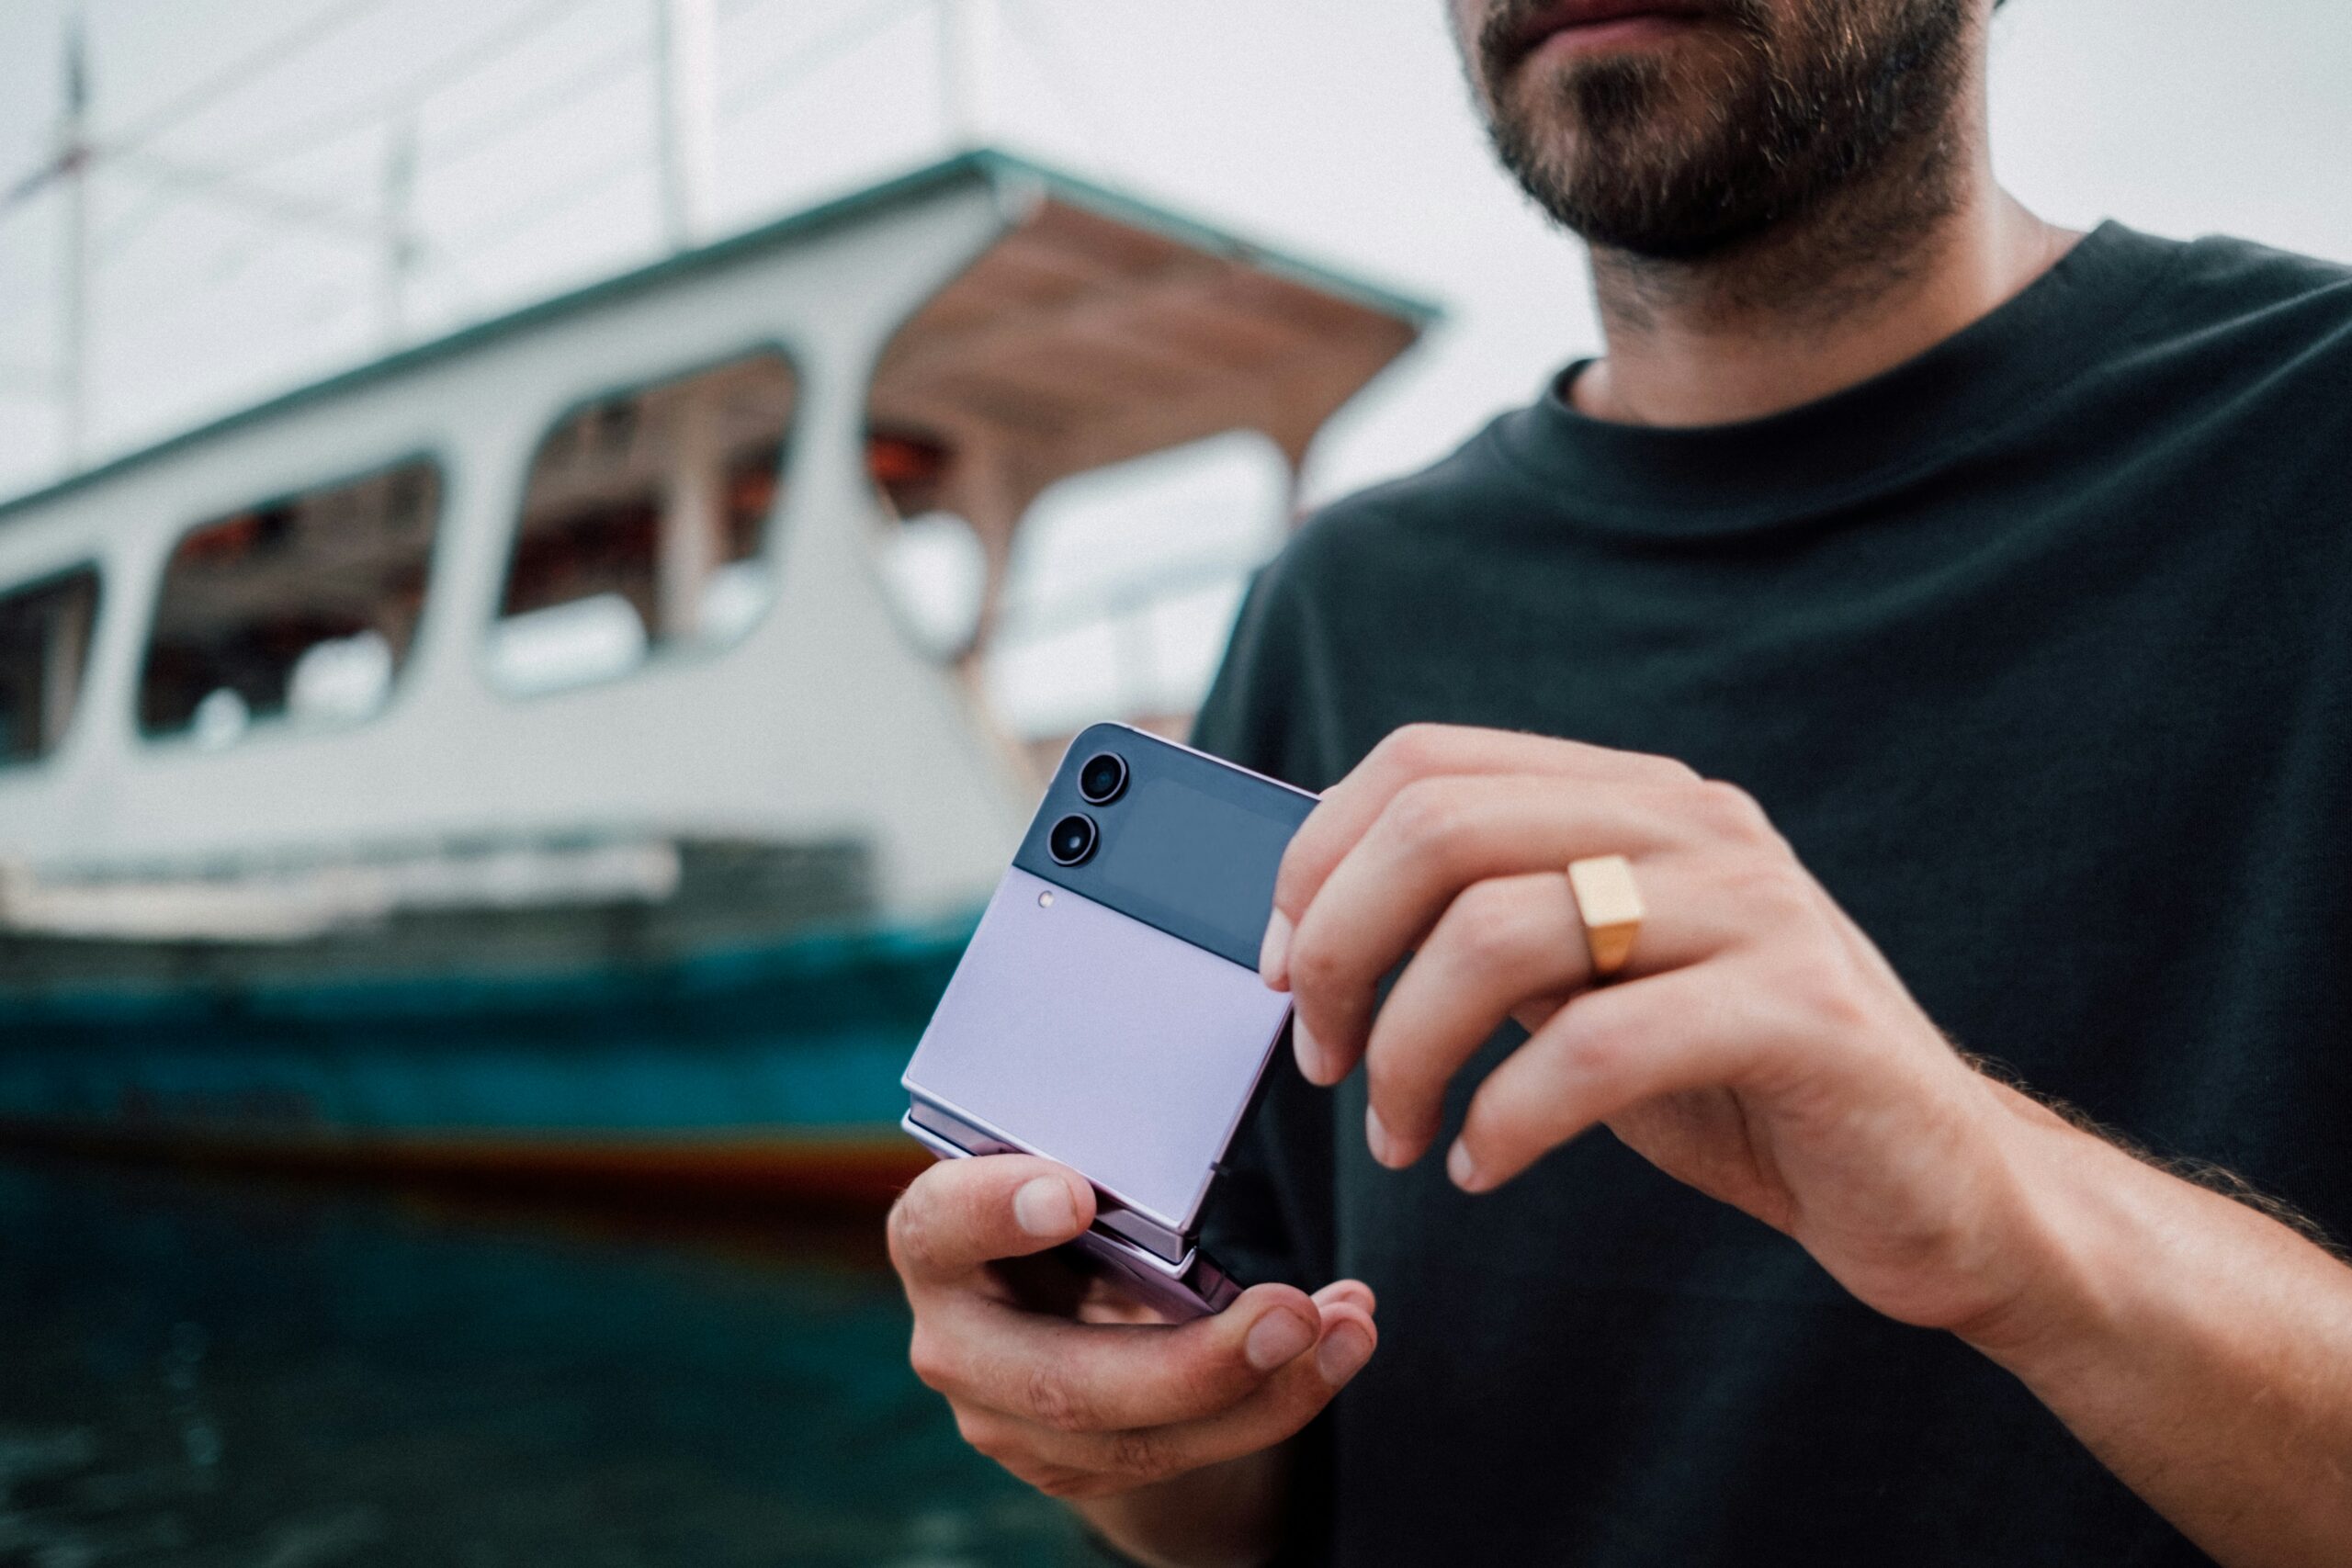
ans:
(861, 1168)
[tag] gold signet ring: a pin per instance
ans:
(1610, 903)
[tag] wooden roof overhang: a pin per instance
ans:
(1082, 339)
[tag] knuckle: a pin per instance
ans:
(1425, 815)
(1316, 963)
(1055, 1400)
(1072, 1485)
(1290, 878)
(929, 1355)
(1596, 1045)
(1414, 749)
(1665, 770)
(907, 1233)
(894, 1230)
(1732, 813)
(1775, 892)
(983, 1434)
(1820, 991)
(1487, 926)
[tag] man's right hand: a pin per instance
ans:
(1071, 1387)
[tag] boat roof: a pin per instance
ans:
(1288, 283)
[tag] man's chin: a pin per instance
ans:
(1623, 111)
(1623, 153)
(1704, 150)
(1644, 203)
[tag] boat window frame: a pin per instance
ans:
(659, 655)
(277, 728)
(32, 767)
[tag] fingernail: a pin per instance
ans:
(1044, 1207)
(1384, 1147)
(1277, 1339)
(1462, 1167)
(1339, 1291)
(1273, 953)
(1308, 1049)
(1345, 1350)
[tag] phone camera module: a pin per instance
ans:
(1103, 779)
(1072, 840)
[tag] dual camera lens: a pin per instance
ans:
(1101, 781)
(1072, 840)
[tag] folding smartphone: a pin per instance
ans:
(1108, 1013)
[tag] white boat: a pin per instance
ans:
(552, 747)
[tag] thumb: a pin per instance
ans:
(963, 1214)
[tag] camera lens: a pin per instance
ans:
(1072, 840)
(1104, 777)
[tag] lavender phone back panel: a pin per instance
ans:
(1089, 1037)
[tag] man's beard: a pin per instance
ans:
(1856, 92)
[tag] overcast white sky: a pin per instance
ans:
(1337, 127)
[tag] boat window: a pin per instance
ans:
(300, 610)
(44, 650)
(644, 525)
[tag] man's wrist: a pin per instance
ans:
(2196, 1344)
(2074, 1201)
(2114, 1255)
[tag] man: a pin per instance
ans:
(2003, 573)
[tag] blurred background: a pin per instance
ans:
(546, 546)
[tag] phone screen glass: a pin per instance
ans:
(1206, 859)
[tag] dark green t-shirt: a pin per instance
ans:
(2039, 648)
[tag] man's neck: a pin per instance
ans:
(1793, 317)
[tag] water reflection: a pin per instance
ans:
(204, 1372)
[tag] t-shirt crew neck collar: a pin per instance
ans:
(1732, 477)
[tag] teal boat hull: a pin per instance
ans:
(769, 1068)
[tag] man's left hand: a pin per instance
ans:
(1756, 1047)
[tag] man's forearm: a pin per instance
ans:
(1228, 1516)
(2199, 1349)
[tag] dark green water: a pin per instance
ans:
(196, 1370)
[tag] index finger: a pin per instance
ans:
(963, 1214)
(1350, 807)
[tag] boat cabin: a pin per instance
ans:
(697, 587)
